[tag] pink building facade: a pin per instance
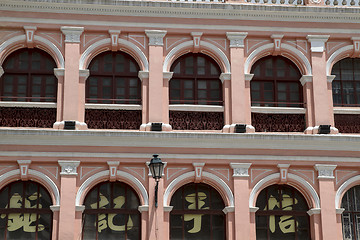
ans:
(253, 106)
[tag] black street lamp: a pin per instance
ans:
(156, 168)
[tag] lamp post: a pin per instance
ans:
(156, 168)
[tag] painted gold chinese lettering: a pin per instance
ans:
(195, 217)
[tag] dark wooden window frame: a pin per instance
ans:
(46, 70)
(210, 211)
(338, 79)
(113, 75)
(295, 213)
(35, 210)
(351, 212)
(112, 210)
(262, 79)
(195, 78)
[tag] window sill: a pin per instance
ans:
(28, 104)
(279, 110)
(113, 106)
(346, 110)
(196, 108)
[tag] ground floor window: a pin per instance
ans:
(351, 216)
(197, 213)
(282, 214)
(111, 212)
(25, 212)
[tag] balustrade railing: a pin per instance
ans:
(347, 3)
(113, 119)
(277, 2)
(263, 122)
(347, 123)
(186, 120)
(27, 117)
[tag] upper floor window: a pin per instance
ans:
(195, 81)
(351, 216)
(282, 214)
(197, 213)
(25, 211)
(28, 77)
(113, 79)
(276, 83)
(346, 85)
(111, 212)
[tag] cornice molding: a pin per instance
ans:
(190, 10)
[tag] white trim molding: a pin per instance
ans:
(333, 56)
(156, 37)
(236, 39)
(276, 176)
(313, 211)
(91, 181)
(344, 187)
(72, 34)
(240, 169)
(227, 210)
(68, 167)
(317, 42)
(279, 110)
(195, 108)
(189, 176)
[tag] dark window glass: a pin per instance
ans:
(28, 77)
(276, 83)
(282, 214)
(113, 79)
(195, 81)
(25, 212)
(351, 216)
(111, 212)
(346, 85)
(197, 213)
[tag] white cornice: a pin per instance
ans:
(191, 10)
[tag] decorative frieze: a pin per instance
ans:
(236, 39)
(72, 34)
(68, 167)
(240, 169)
(156, 37)
(325, 171)
(24, 168)
(317, 42)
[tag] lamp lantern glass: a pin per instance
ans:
(156, 167)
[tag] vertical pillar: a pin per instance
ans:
(323, 113)
(144, 210)
(253, 222)
(144, 77)
(55, 228)
(59, 73)
(67, 202)
(327, 201)
(73, 101)
(166, 230)
(241, 197)
(156, 98)
(230, 222)
(306, 82)
(315, 222)
(240, 103)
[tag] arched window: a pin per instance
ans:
(28, 77)
(282, 214)
(346, 85)
(111, 212)
(25, 211)
(113, 79)
(197, 213)
(351, 216)
(195, 81)
(276, 83)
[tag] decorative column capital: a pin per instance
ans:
(55, 208)
(305, 79)
(143, 75)
(228, 209)
(325, 171)
(225, 76)
(68, 167)
(59, 72)
(314, 211)
(156, 37)
(249, 76)
(240, 169)
(1, 71)
(168, 75)
(143, 208)
(72, 34)
(168, 208)
(84, 74)
(330, 78)
(236, 39)
(317, 42)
